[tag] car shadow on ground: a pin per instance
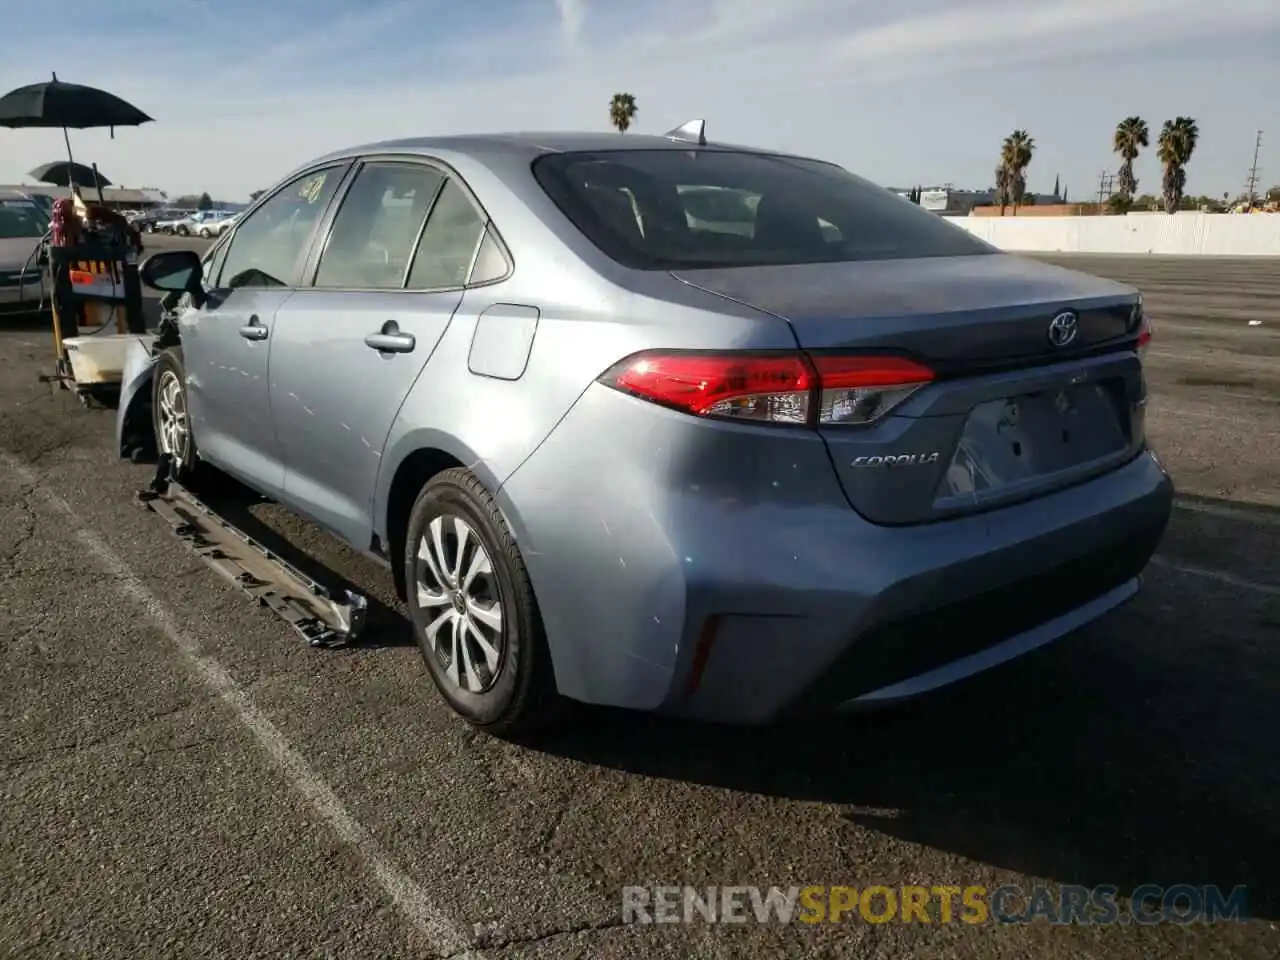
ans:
(27, 321)
(1142, 750)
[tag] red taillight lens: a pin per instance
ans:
(860, 389)
(1144, 338)
(784, 388)
(775, 388)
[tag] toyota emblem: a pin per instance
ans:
(1063, 328)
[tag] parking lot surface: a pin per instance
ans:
(181, 777)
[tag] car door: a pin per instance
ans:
(226, 342)
(347, 350)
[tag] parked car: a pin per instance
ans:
(23, 223)
(608, 454)
(172, 221)
(199, 223)
(150, 222)
(216, 226)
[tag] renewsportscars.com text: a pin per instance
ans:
(1147, 904)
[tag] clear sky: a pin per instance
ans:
(901, 91)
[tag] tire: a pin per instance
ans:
(204, 233)
(184, 232)
(517, 695)
(167, 383)
(149, 228)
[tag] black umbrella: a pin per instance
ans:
(58, 104)
(63, 173)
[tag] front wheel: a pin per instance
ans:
(473, 609)
(169, 414)
(183, 231)
(204, 233)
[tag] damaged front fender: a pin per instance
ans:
(135, 436)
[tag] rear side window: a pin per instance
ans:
(373, 234)
(449, 242)
(675, 209)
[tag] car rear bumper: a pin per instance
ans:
(748, 593)
(938, 616)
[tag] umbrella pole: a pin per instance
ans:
(66, 137)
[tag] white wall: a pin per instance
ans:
(1206, 234)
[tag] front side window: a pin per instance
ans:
(213, 260)
(449, 242)
(373, 234)
(267, 244)
(677, 209)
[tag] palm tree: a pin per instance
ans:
(1002, 186)
(622, 110)
(1015, 157)
(1177, 142)
(1130, 137)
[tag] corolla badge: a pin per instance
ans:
(1063, 328)
(897, 460)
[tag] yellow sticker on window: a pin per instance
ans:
(311, 187)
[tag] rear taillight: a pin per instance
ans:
(1143, 325)
(860, 389)
(783, 388)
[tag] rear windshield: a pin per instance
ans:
(674, 209)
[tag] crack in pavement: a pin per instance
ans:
(16, 761)
(487, 942)
(28, 521)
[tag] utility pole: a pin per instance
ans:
(1106, 185)
(1251, 185)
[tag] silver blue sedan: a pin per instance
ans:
(671, 425)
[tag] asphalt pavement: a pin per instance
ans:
(181, 777)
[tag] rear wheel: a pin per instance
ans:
(473, 609)
(169, 416)
(204, 233)
(183, 231)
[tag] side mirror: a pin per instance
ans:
(174, 271)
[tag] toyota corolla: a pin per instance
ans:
(814, 449)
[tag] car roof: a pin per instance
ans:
(531, 145)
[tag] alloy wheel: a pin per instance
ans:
(173, 428)
(459, 606)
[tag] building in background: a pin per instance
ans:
(117, 198)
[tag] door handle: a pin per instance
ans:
(253, 330)
(390, 340)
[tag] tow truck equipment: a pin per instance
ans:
(266, 577)
(90, 252)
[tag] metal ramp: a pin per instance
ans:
(266, 577)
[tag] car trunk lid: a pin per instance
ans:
(1015, 409)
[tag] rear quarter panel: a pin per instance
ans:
(585, 325)
(591, 313)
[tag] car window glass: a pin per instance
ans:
(213, 262)
(448, 245)
(669, 209)
(21, 219)
(491, 264)
(374, 232)
(266, 245)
